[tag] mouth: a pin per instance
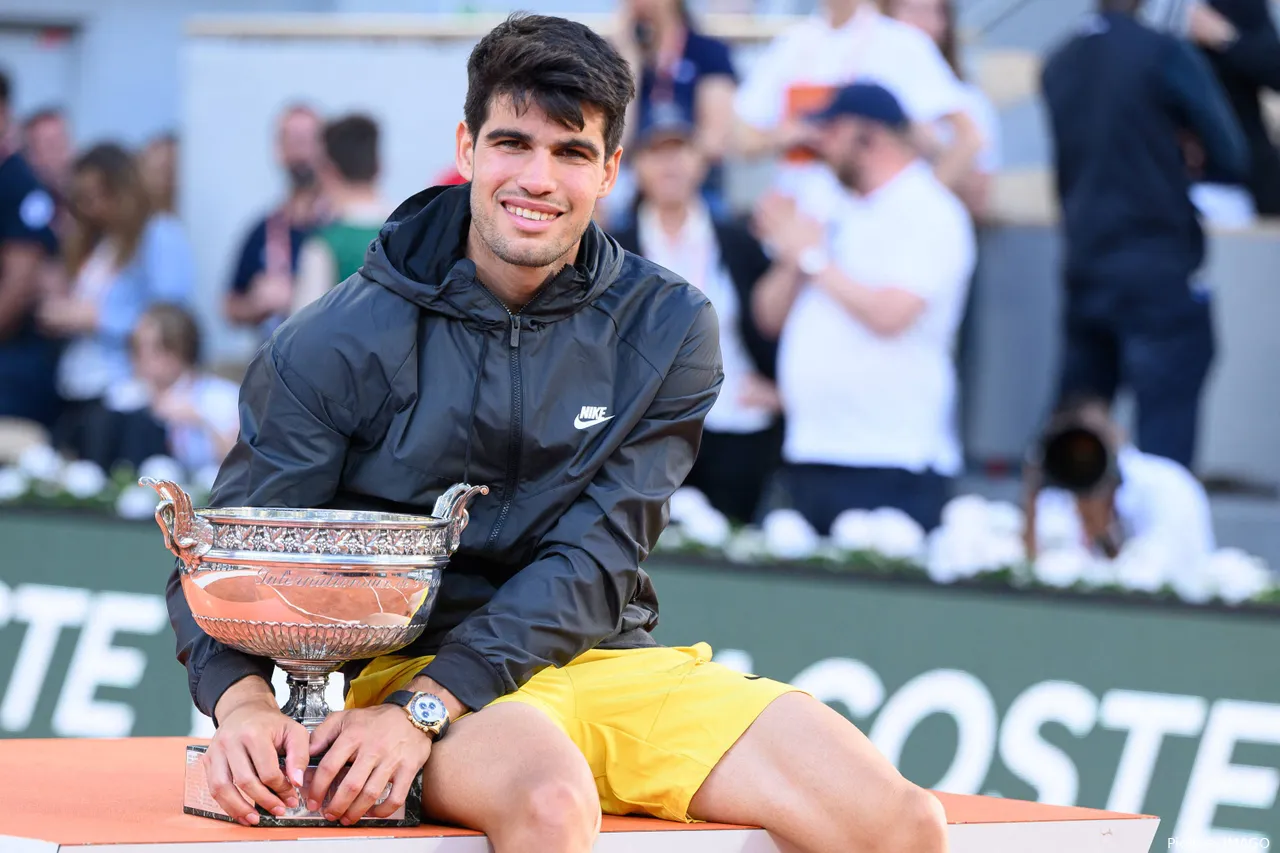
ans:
(531, 217)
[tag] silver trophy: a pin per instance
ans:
(311, 589)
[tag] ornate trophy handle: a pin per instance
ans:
(452, 505)
(186, 534)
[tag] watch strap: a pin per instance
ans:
(402, 698)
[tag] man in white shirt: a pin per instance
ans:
(843, 42)
(867, 312)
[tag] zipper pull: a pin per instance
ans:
(515, 330)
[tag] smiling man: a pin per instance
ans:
(495, 335)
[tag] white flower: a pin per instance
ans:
(1238, 576)
(1061, 567)
(896, 534)
(1194, 587)
(161, 468)
(688, 502)
(136, 502)
(1144, 564)
(40, 462)
(747, 546)
(1098, 572)
(1005, 518)
(1003, 549)
(205, 478)
(789, 536)
(13, 483)
(852, 530)
(708, 528)
(955, 553)
(965, 511)
(83, 479)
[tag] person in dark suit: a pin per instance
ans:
(1121, 97)
(673, 227)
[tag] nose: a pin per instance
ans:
(538, 176)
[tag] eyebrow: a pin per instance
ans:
(521, 136)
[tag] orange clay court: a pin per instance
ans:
(125, 796)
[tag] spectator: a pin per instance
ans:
(349, 180)
(261, 290)
(868, 320)
(168, 406)
(46, 143)
(937, 20)
(121, 259)
(849, 40)
(159, 164)
(1114, 495)
(683, 75)
(675, 229)
(1118, 95)
(28, 360)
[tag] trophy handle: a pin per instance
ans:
(452, 506)
(186, 534)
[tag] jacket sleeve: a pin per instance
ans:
(1197, 95)
(290, 452)
(586, 568)
(1255, 55)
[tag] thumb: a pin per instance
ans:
(296, 740)
(327, 732)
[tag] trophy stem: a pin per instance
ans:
(306, 702)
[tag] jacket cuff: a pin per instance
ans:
(466, 674)
(223, 670)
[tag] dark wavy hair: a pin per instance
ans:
(557, 64)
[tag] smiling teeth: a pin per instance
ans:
(535, 215)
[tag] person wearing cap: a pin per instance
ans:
(675, 228)
(867, 311)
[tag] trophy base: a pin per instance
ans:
(198, 800)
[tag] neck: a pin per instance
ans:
(347, 196)
(513, 285)
(669, 31)
(882, 173)
(840, 12)
(300, 205)
(671, 218)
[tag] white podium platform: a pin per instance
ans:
(125, 796)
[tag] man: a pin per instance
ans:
(261, 290)
(675, 229)
(349, 180)
(1116, 496)
(485, 319)
(1119, 95)
(868, 314)
(842, 42)
(46, 144)
(28, 360)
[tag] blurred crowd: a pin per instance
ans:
(842, 292)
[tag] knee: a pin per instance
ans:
(556, 809)
(919, 824)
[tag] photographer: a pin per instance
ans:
(1083, 465)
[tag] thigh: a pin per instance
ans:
(810, 777)
(480, 774)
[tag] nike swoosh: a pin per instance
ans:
(581, 424)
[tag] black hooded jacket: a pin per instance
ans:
(411, 376)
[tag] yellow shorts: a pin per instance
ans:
(651, 722)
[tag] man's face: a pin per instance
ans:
(48, 150)
(298, 145)
(152, 363)
(534, 182)
(840, 143)
(669, 172)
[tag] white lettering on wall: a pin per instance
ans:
(1215, 781)
(849, 682)
(46, 610)
(1031, 758)
(1148, 717)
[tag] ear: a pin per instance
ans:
(611, 166)
(464, 156)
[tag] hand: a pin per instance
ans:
(244, 755)
(176, 409)
(67, 316)
(382, 746)
(757, 392)
(271, 294)
(786, 230)
(795, 133)
(1208, 27)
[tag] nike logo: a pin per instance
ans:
(591, 416)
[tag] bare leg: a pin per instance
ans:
(816, 783)
(511, 773)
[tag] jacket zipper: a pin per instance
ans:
(515, 438)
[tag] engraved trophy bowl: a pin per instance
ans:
(310, 589)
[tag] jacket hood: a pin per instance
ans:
(419, 255)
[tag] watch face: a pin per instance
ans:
(427, 709)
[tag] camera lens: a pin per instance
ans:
(1075, 459)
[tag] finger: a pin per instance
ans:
(218, 776)
(246, 779)
(400, 785)
(369, 794)
(350, 786)
(334, 760)
(297, 743)
(266, 765)
(327, 732)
